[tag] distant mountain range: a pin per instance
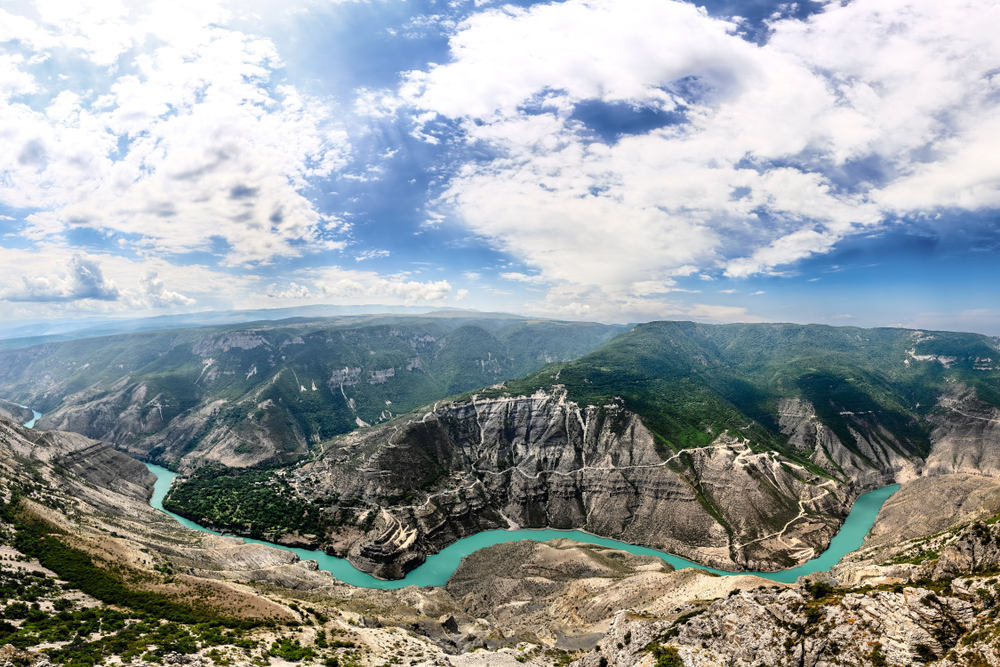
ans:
(263, 391)
(738, 446)
(36, 332)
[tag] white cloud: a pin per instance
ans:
(522, 278)
(155, 295)
(759, 175)
(13, 80)
(714, 313)
(371, 254)
(414, 292)
(377, 103)
(194, 147)
(648, 287)
(461, 294)
(294, 291)
(346, 286)
(83, 279)
(552, 46)
(409, 292)
(110, 284)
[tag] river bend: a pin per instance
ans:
(439, 567)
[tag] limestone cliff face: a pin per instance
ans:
(14, 412)
(543, 461)
(133, 420)
(966, 435)
(872, 462)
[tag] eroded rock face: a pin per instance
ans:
(81, 460)
(14, 412)
(142, 424)
(966, 436)
(872, 462)
(541, 460)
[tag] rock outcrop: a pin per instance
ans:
(14, 412)
(542, 460)
(787, 627)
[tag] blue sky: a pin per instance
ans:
(611, 160)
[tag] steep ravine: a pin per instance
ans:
(542, 460)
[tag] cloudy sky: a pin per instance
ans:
(612, 160)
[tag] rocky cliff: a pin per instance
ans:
(14, 412)
(543, 460)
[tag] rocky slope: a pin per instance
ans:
(431, 478)
(14, 412)
(935, 602)
(925, 599)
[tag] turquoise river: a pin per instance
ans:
(438, 567)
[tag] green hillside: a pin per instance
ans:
(295, 379)
(690, 382)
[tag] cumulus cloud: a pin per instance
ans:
(155, 295)
(82, 279)
(347, 286)
(194, 147)
(54, 281)
(773, 153)
(412, 291)
(522, 278)
(409, 292)
(294, 291)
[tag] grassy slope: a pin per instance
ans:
(691, 381)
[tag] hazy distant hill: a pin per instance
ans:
(263, 391)
(18, 335)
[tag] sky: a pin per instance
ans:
(605, 160)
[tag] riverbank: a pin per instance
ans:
(439, 567)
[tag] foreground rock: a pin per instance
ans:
(769, 627)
